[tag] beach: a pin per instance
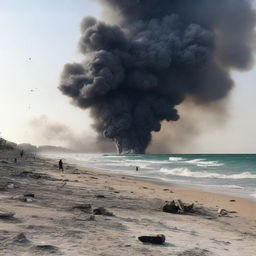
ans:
(55, 215)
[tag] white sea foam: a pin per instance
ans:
(174, 159)
(254, 195)
(185, 172)
(202, 163)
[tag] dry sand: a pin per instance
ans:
(49, 225)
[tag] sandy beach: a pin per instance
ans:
(55, 217)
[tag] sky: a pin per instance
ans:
(39, 37)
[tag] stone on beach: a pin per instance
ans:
(102, 211)
(46, 248)
(21, 239)
(6, 215)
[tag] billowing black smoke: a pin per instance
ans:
(156, 54)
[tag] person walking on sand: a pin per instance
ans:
(61, 165)
(21, 153)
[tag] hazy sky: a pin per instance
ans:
(39, 37)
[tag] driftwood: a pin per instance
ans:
(177, 206)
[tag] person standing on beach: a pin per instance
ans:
(61, 165)
(21, 153)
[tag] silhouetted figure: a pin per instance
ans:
(137, 168)
(15, 160)
(21, 153)
(61, 165)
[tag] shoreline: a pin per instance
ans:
(188, 193)
(53, 221)
(240, 191)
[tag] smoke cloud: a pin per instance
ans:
(153, 55)
(54, 133)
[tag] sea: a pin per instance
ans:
(232, 174)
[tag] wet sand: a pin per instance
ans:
(58, 220)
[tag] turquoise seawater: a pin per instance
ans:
(233, 174)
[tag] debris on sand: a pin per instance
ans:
(102, 211)
(158, 239)
(87, 208)
(177, 206)
(21, 239)
(100, 196)
(11, 186)
(46, 248)
(6, 215)
(29, 195)
(28, 200)
(222, 212)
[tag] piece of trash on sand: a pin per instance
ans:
(28, 200)
(6, 215)
(177, 206)
(222, 212)
(102, 211)
(158, 239)
(11, 186)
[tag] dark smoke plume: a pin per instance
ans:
(157, 53)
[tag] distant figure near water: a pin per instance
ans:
(61, 165)
(21, 153)
(137, 168)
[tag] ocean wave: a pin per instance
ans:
(127, 164)
(202, 163)
(175, 158)
(146, 161)
(254, 195)
(185, 172)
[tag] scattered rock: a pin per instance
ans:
(29, 195)
(100, 196)
(145, 187)
(87, 208)
(6, 215)
(11, 186)
(102, 211)
(232, 200)
(166, 189)
(46, 248)
(28, 200)
(21, 239)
